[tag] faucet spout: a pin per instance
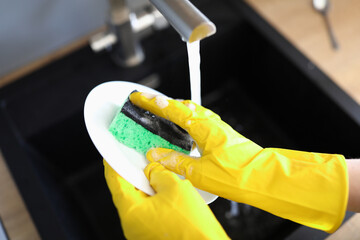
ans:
(188, 21)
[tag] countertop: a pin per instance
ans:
(305, 28)
(300, 33)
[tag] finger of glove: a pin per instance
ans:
(179, 163)
(209, 131)
(172, 110)
(123, 192)
(186, 205)
(201, 112)
(161, 179)
(198, 121)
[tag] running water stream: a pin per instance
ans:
(194, 70)
(195, 78)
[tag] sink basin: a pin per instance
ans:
(246, 80)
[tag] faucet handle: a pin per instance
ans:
(125, 28)
(102, 41)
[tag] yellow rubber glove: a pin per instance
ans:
(308, 188)
(176, 211)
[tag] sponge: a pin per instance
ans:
(142, 130)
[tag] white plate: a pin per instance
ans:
(101, 106)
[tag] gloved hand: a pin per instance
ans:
(176, 211)
(308, 188)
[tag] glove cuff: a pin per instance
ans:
(308, 188)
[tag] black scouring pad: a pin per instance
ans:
(142, 130)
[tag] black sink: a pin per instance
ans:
(246, 80)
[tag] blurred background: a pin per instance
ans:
(282, 73)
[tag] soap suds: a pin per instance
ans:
(190, 170)
(157, 156)
(161, 101)
(145, 121)
(170, 158)
(148, 95)
(191, 106)
(171, 161)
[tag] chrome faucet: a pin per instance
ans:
(188, 21)
(128, 23)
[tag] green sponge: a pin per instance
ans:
(142, 130)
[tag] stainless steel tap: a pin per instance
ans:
(188, 21)
(131, 19)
